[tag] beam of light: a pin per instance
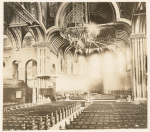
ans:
(78, 83)
(121, 62)
(128, 60)
(95, 65)
(81, 65)
(108, 63)
(72, 82)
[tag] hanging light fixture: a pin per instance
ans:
(78, 29)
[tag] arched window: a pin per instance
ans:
(54, 69)
(31, 69)
(30, 72)
(15, 69)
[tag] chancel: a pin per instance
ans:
(74, 65)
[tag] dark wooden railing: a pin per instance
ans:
(13, 83)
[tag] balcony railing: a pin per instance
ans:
(13, 82)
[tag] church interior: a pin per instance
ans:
(74, 65)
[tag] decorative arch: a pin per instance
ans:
(40, 33)
(93, 51)
(28, 36)
(26, 68)
(107, 48)
(14, 37)
(28, 29)
(17, 33)
(57, 43)
(37, 33)
(67, 49)
(51, 30)
(63, 6)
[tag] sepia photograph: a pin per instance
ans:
(74, 66)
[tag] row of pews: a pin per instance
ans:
(113, 115)
(38, 117)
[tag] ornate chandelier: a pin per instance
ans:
(77, 29)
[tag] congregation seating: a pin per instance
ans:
(17, 106)
(9, 103)
(98, 115)
(38, 117)
(111, 115)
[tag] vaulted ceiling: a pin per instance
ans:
(39, 18)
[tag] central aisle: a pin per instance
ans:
(67, 119)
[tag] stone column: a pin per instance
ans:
(43, 52)
(138, 47)
(34, 95)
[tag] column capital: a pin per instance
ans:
(42, 44)
(138, 35)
